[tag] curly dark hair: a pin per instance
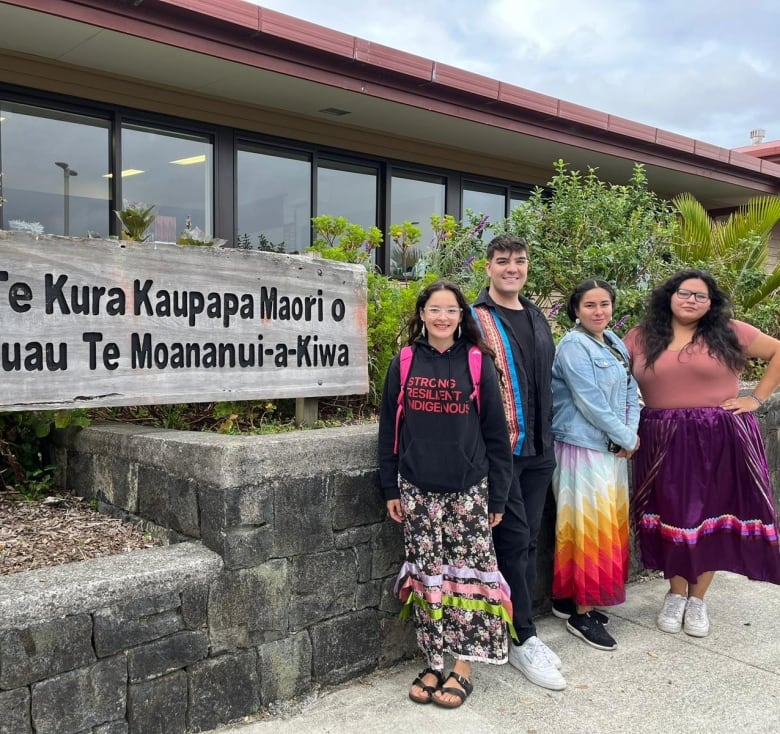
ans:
(713, 328)
(469, 328)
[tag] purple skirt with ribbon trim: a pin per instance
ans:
(702, 495)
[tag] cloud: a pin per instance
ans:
(696, 68)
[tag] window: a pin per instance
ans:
(172, 172)
(414, 198)
(516, 200)
(273, 200)
(347, 190)
(54, 168)
(487, 200)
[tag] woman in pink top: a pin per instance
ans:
(702, 494)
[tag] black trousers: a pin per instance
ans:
(515, 537)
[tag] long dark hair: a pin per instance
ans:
(469, 330)
(581, 289)
(713, 328)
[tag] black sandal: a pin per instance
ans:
(428, 690)
(461, 694)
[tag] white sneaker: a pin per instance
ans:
(533, 659)
(554, 659)
(697, 623)
(670, 618)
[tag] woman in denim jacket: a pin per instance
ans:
(595, 421)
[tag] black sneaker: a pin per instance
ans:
(589, 628)
(564, 608)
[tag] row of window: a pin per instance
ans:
(67, 172)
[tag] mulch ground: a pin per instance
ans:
(57, 529)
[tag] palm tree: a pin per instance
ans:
(740, 244)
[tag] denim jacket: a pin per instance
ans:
(595, 398)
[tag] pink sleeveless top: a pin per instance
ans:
(689, 378)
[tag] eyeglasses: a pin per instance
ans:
(683, 294)
(438, 311)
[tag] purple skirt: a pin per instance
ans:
(702, 495)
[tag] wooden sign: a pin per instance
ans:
(94, 322)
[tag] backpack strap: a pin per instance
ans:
(475, 369)
(405, 363)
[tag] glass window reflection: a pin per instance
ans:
(174, 173)
(517, 200)
(414, 198)
(54, 168)
(489, 201)
(347, 190)
(273, 200)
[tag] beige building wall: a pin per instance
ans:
(37, 73)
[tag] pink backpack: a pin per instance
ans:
(405, 363)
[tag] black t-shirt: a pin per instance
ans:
(520, 321)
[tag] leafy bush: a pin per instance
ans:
(390, 302)
(458, 252)
(582, 227)
(24, 461)
(336, 238)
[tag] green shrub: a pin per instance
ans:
(24, 462)
(581, 227)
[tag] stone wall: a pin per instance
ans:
(283, 583)
(278, 580)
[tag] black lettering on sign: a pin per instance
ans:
(190, 304)
(147, 354)
(109, 355)
(33, 356)
(284, 308)
(84, 300)
(313, 353)
(280, 360)
(18, 295)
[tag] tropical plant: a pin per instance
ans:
(196, 237)
(136, 219)
(735, 250)
(405, 255)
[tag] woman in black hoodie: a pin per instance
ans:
(445, 466)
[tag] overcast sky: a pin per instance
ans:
(709, 69)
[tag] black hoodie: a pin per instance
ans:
(445, 444)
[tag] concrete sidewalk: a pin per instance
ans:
(654, 682)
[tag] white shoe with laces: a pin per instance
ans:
(697, 623)
(670, 618)
(554, 659)
(537, 663)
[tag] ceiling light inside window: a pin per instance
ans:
(127, 172)
(191, 160)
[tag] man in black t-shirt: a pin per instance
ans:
(518, 332)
